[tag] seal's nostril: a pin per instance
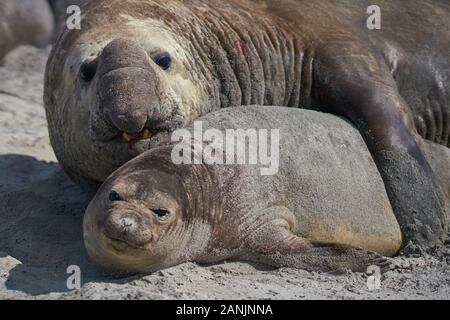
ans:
(118, 225)
(128, 227)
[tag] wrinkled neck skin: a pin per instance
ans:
(243, 195)
(245, 63)
(205, 234)
(201, 225)
(209, 232)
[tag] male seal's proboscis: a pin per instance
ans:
(139, 69)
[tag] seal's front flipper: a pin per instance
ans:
(416, 198)
(273, 243)
(359, 86)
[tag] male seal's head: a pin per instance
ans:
(138, 70)
(127, 76)
(145, 217)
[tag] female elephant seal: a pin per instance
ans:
(24, 22)
(139, 68)
(326, 199)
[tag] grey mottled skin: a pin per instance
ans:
(327, 190)
(24, 22)
(392, 84)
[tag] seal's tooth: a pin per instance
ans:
(146, 134)
(127, 137)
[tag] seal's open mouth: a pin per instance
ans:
(143, 135)
(124, 145)
(144, 140)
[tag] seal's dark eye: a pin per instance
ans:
(88, 71)
(114, 196)
(163, 60)
(161, 213)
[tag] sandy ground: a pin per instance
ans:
(41, 235)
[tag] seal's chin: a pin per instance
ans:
(117, 257)
(123, 247)
(106, 244)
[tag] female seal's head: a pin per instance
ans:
(131, 225)
(148, 215)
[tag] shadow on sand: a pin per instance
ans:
(41, 215)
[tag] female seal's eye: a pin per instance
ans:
(163, 60)
(88, 71)
(114, 196)
(161, 213)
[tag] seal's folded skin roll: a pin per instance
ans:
(184, 59)
(152, 214)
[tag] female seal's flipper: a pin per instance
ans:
(363, 90)
(273, 243)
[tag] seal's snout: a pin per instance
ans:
(129, 227)
(127, 87)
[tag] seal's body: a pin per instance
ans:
(24, 22)
(152, 213)
(158, 65)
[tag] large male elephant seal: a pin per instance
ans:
(24, 22)
(141, 68)
(325, 200)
